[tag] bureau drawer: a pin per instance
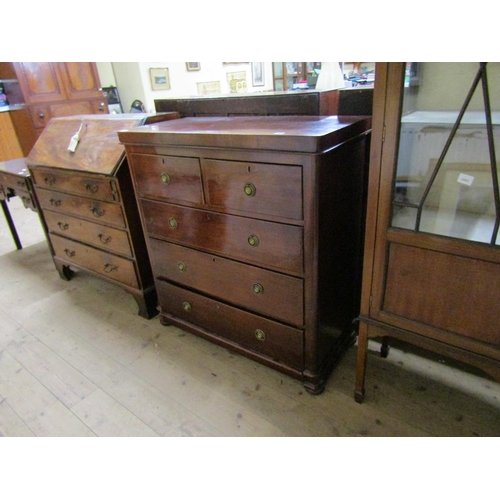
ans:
(254, 188)
(13, 181)
(171, 178)
(99, 188)
(110, 266)
(270, 244)
(266, 292)
(94, 210)
(108, 238)
(263, 336)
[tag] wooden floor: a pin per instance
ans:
(77, 360)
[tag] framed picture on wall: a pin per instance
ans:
(193, 66)
(257, 74)
(159, 78)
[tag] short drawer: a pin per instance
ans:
(170, 178)
(266, 292)
(94, 210)
(15, 182)
(99, 188)
(278, 246)
(110, 266)
(266, 337)
(108, 238)
(40, 115)
(254, 188)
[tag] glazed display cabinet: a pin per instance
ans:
(432, 254)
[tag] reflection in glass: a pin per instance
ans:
(447, 173)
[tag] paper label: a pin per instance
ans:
(465, 179)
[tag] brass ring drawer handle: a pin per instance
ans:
(98, 212)
(104, 239)
(109, 268)
(91, 188)
(63, 225)
(260, 335)
(172, 222)
(69, 253)
(249, 189)
(55, 203)
(186, 306)
(181, 266)
(258, 289)
(253, 240)
(165, 178)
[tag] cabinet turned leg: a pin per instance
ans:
(359, 390)
(385, 348)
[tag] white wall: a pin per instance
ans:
(133, 79)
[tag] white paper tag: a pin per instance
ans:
(465, 179)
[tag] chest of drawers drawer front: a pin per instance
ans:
(266, 292)
(269, 244)
(110, 266)
(255, 188)
(88, 186)
(171, 178)
(94, 210)
(107, 238)
(267, 337)
(14, 182)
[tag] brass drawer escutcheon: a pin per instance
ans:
(104, 239)
(98, 212)
(260, 335)
(69, 253)
(172, 222)
(63, 225)
(91, 188)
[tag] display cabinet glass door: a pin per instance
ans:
(446, 180)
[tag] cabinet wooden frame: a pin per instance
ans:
(391, 252)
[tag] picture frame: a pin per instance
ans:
(160, 79)
(258, 74)
(193, 66)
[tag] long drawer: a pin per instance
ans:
(86, 185)
(170, 178)
(266, 292)
(263, 336)
(254, 188)
(278, 246)
(108, 265)
(107, 238)
(94, 210)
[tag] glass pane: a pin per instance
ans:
(278, 69)
(445, 183)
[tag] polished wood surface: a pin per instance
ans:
(268, 233)
(435, 292)
(10, 149)
(88, 204)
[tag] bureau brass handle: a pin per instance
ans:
(104, 239)
(98, 212)
(21, 183)
(91, 188)
(253, 240)
(69, 253)
(249, 189)
(258, 289)
(55, 203)
(260, 335)
(109, 268)
(63, 225)
(49, 180)
(186, 306)
(172, 222)
(165, 178)
(181, 266)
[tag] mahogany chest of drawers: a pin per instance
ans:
(254, 229)
(87, 203)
